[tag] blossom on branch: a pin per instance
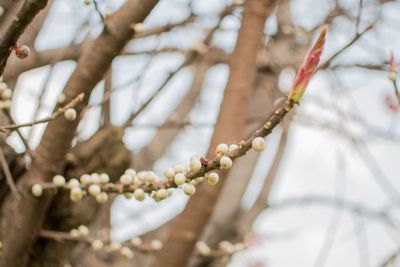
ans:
(308, 68)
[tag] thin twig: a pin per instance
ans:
(396, 91)
(7, 174)
(209, 165)
(327, 63)
(59, 112)
(96, 7)
(65, 236)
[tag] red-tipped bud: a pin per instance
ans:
(22, 51)
(308, 68)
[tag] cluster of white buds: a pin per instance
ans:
(258, 144)
(70, 114)
(92, 182)
(81, 231)
(125, 248)
(112, 247)
(222, 151)
(224, 248)
(5, 95)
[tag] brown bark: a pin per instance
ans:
(186, 229)
(49, 156)
(112, 157)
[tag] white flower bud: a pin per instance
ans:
(114, 246)
(169, 173)
(203, 248)
(6, 94)
(232, 148)
(61, 98)
(104, 178)
(94, 189)
(170, 191)
(95, 178)
(102, 198)
(189, 189)
(3, 86)
(195, 157)
(197, 180)
(161, 194)
(74, 233)
(85, 179)
(156, 244)
(226, 247)
(37, 190)
(83, 230)
(195, 165)
(179, 179)
(222, 149)
(130, 172)
(76, 194)
(70, 114)
(137, 27)
(179, 168)
(258, 144)
(126, 179)
(59, 180)
(150, 177)
(139, 194)
(225, 162)
(97, 245)
(212, 178)
(142, 175)
(136, 241)
(73, 183)
(126, 252)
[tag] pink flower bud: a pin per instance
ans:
(308, 68)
